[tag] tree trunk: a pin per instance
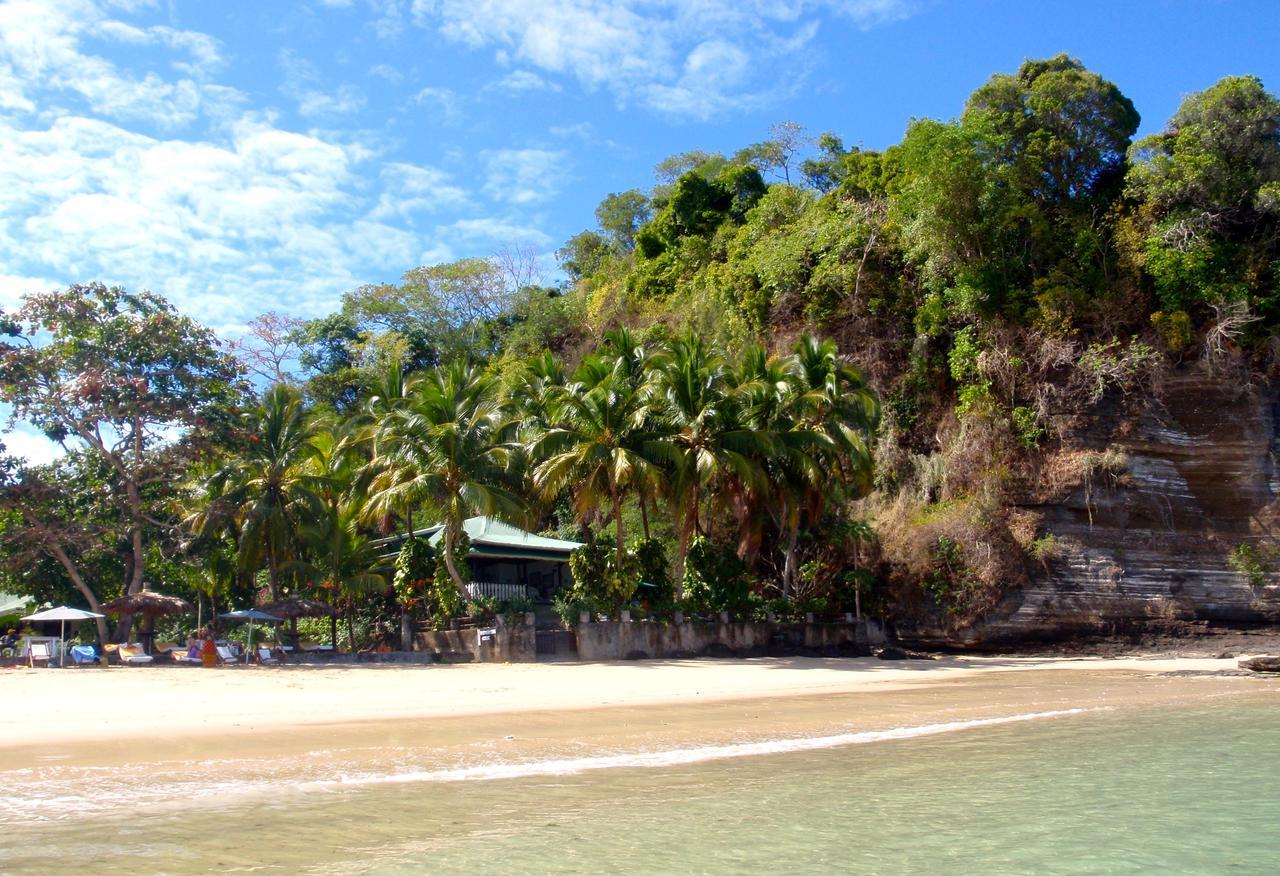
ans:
(74, 574)
(272, 573)
(682, 548)
(789, 565)
(450, 539)
(620, 559)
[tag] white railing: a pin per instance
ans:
(493, 590)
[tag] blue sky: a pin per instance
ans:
(240, 156)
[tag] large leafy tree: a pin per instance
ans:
(129, 381)
(1210, 185)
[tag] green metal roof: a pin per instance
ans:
(493, 538)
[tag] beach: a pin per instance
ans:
(92, 710)
(391, 769)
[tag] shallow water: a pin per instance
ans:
(1190, 788)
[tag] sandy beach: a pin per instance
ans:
(387, 768)
(84, 710)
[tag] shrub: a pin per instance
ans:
(715, 579)
(1251, 562)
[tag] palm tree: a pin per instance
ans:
(707, 439)
(447, 448)
(267, 491)
(600, 443)
(829, 416)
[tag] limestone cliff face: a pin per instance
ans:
(1146, 547)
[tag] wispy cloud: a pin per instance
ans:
(654, 52)
(523, 176)
(301, 83)
(522, 81)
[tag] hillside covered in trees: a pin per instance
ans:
(806, 376)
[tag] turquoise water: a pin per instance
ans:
(1168, 790)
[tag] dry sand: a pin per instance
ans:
(52, 707)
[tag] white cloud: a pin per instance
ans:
(523, 176)
(495, 232)
(301, 80)
(387, 73)
(41, 51)
(33, 446)
(233, 214)
(410, 189)
(522, 81)
(443, 101)
(656, 52)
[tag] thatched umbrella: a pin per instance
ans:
(294, 607)
(150, 605)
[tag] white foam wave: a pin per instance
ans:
(684, 756)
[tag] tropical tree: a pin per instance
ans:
(117, 375)
(450, 449)
(707, 440)
(830, 414)
(268, 490)
(601, 440)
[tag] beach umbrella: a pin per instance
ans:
(150, 605)
(62, 614)
(250, 615)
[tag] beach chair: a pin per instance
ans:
(266, 658)
(225, 655)
(134, 655)
(38, 651)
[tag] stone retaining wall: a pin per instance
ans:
(612, 640)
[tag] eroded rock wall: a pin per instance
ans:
(1147, 549)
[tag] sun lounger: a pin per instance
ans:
(225, 655)
(38, 651)
(134, 655)
(266, 658)
(308, 647)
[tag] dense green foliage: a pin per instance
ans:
(693, 381)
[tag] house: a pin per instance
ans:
(506, 561)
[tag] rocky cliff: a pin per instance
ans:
(1172, 485)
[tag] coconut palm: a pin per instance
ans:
(448, 448)
(825, 425)
(601, 442)
(267, 491)
(708, 441)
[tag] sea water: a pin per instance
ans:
(1187, 789)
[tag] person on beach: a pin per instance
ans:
(209, 651)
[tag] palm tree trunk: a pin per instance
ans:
(450, 539)
(682, 547)
(789, 564)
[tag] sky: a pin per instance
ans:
(240, 157)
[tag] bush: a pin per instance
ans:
(597, 581)
(715, 579)
(569, 608)
(483, 608)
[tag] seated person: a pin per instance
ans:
(9, 639)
